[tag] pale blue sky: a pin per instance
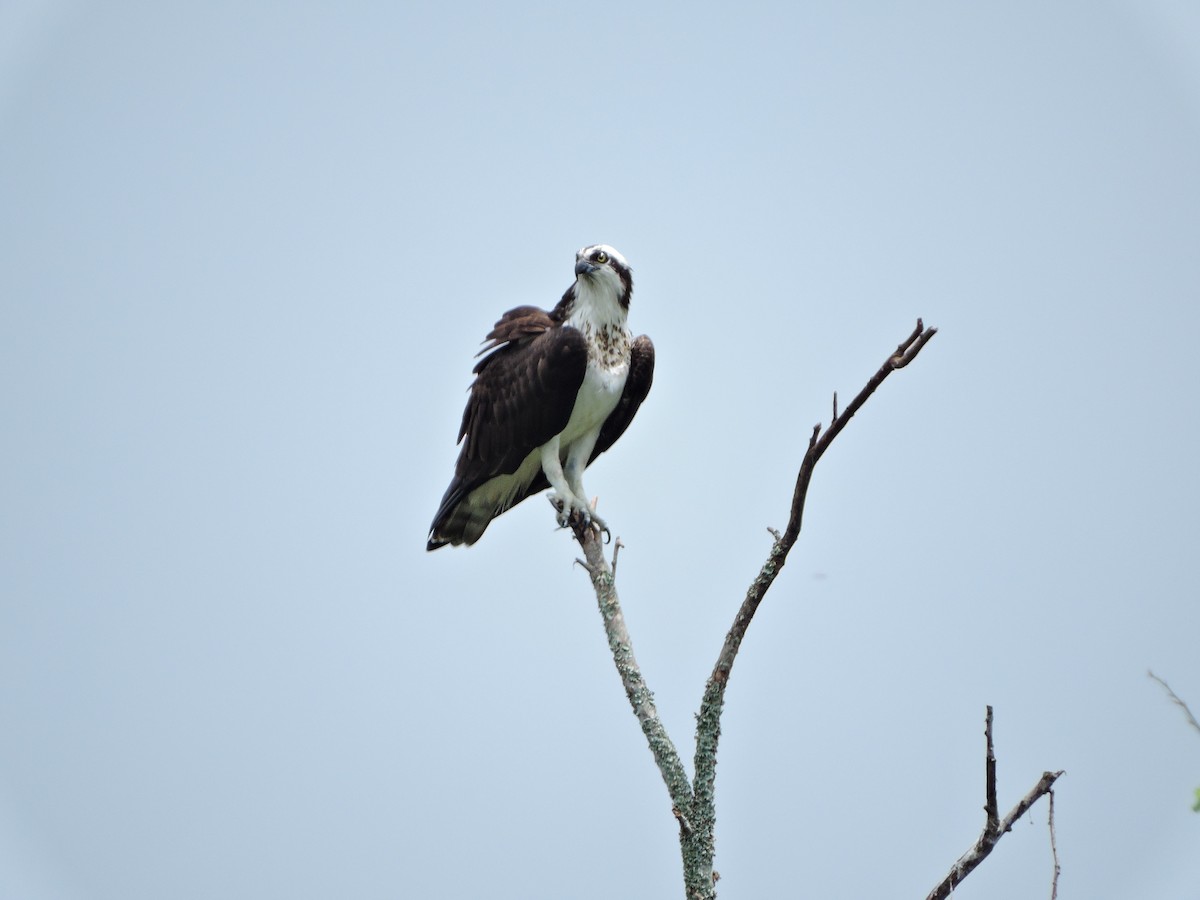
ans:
(246, 255)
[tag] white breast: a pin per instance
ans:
(598, 396)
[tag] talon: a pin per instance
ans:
(562, 511)
(600, 526)
(574, 511)
(598, 523)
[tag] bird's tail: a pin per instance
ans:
(458, 520)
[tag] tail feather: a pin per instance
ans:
(462, 523)
(469, 507)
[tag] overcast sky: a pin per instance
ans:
(247, 252)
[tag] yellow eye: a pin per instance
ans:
(602, 257)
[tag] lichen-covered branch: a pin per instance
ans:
(639, 695)
(994, 827)
(695, 839)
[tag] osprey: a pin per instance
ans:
(554, 391)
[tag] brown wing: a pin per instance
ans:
(514, 326)
(523, 394)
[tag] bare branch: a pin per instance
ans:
(994, 828)
(908, 350)
(708, 721)
(1053, 852)
(1175, 698)
(1035, 793)
(616, 552)
(991, 806)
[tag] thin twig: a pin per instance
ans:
(1035, 793)
(1053, 852)
(991, 807)
(1177, 700)
(993, 828)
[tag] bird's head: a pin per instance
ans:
(601, 268)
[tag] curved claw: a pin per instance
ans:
(601, 527)
(566, 511)
(562, 513)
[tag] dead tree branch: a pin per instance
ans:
(693, 802)
(994, 827)
(695, 843)
(619, 642)
(708, 722)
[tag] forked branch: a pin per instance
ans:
(993, 826)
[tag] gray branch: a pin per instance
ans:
(695, 837)
(621, 646)
(994, 827)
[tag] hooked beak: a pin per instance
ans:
(583, 267)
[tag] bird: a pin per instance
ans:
(553, 391)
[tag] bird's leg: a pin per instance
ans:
(565, 500)
(573, 471)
